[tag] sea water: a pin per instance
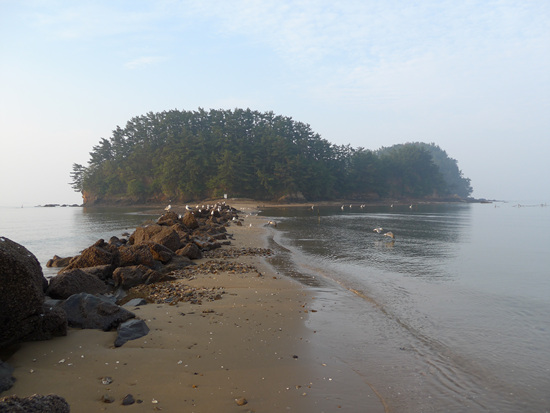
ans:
(65, 231)
(453, 314)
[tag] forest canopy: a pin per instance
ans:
(190, 155)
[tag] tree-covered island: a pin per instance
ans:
(190, 155)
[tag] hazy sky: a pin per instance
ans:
(471, 76)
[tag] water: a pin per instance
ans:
(452, 315)
(66, 231)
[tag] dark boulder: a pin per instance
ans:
(57, 261)
(22, 286)
(36, 403)
(135, 255)
(6, 378)
(128, 277)
(130, 330)
(89, 311)
(73, 282)
(190, 251)
(51, 323)
(103, 272)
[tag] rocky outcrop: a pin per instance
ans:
(22, 286)
(36, 403)
(92, 256)
(190, 251)
(75, 281)
(89, 311)
(128, 277)
(158, 234)
(136, 255)
(57, 261)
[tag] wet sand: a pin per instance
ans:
(252, 344)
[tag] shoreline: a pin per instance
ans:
(252, 344)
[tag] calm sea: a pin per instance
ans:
(66, 231)
(452, 315)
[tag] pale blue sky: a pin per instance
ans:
(470, 76)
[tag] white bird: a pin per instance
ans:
(410, 206)
(168, 208)
(187, 207)
(342, 208)
(389, 234)
(378, 230)
(272, 223)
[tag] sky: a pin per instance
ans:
(470, 76)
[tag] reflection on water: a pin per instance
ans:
(455, 309)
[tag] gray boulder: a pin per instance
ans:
(88, 311)
(130, 330)
(22, 286)
(73, 282)
(36, 403)
(6, 378)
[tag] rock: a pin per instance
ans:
(128, 400)
(57, 261)
(190, 251)
(103, 272)
(22, 286)
(161, 253)
(91, 257)
(177, 263)
(75, 281)
(158, 234)
(6, 378)
(136, 255)
(128, 277)
(51, 323)
(36, 403)
(135, 302)
(88, 311)
(190, 221)
(168, 219)
(131, 330)
(107, 398)
(241, 402)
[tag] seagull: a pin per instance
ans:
(168, 208)
(411, 206)
(378, 230)
(342, 208)
(389, 234)
(272, 223)
(187, 207)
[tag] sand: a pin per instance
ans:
(251, 346)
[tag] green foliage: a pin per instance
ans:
(184, 155)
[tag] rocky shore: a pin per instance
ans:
(196, 321)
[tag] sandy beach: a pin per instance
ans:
(249, 351)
